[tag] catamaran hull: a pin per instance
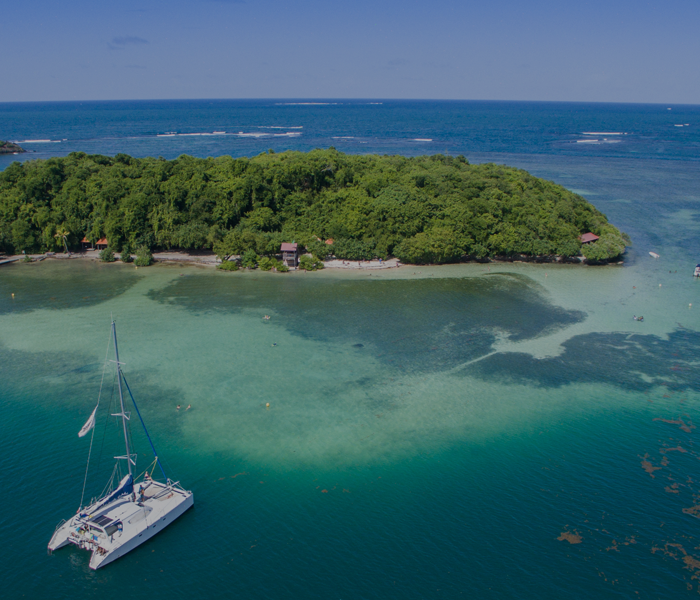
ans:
(100, 560)
(104, 553)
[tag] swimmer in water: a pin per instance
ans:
(178, 407)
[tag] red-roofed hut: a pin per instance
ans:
(86, 244)
(587, 238)
(101, 244)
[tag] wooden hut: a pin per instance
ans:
(290, 254)
(86, 244)
(101, 244)
(587, 238)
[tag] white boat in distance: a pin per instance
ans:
(133, 511)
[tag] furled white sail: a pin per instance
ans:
(89, 424)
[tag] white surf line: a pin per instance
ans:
(500, 344)
(470, 362)
(540, 347)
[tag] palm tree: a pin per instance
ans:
(62, 233)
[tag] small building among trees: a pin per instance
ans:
(101, 244)
(587, 238)
(290, 254)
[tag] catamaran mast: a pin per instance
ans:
(121, 398)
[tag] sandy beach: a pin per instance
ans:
(208, 259)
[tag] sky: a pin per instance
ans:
(556, 50)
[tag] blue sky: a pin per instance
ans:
(614, 50)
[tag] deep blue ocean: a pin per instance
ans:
(466, 431)
(246, 128)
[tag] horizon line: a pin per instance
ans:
(331, 100)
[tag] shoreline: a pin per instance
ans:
(196, 258)
(209, 259)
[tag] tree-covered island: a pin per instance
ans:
(10, 148)
(427, 209)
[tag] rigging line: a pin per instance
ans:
(110, 484)
(132, 444)
(167, 464)
(138, 412)
(92, 436)
(106, 425)
(152, 467)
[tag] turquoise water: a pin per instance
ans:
(432, 431)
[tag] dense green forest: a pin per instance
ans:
(428, 209)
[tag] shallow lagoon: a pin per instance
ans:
(436, 428)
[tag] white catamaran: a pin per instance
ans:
(133, 511)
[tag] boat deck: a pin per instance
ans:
(122, 524)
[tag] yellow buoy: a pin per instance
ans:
(13, 294)
(267, 405)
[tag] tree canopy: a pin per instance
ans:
(427, 209)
